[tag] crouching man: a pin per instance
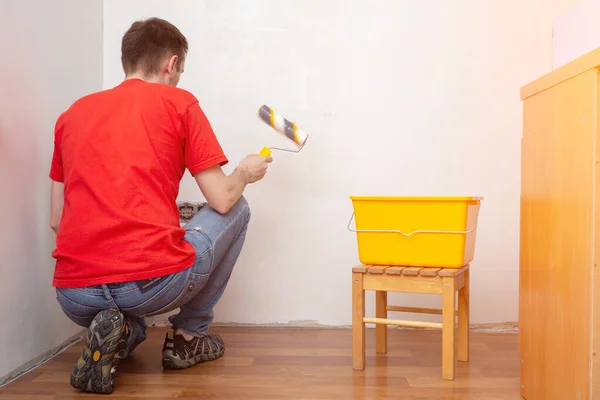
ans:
(121, 255)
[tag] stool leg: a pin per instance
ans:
(448, 329)
(381, 329)
(358, 325)
(463, 320)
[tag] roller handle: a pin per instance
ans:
(265, 152)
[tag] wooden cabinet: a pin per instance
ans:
(559, 304)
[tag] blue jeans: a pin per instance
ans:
(218, 241)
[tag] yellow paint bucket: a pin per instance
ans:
(415, 231)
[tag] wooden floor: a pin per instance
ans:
(261, 363)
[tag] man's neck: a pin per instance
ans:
(151, 79)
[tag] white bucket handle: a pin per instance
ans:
(402, 233)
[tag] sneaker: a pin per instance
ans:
(179, 353)
(94, 370)
(132, 336)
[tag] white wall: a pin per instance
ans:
(576, 32)
(51, 54)
(400, 97)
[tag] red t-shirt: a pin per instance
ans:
(121, 154)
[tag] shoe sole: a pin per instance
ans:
(94, 370)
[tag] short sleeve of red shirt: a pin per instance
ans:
(56, 168)
(202, 149)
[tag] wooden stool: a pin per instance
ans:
(412, 280)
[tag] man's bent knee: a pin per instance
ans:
(242, 208)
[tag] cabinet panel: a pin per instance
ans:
(595, 271)
(558, 163)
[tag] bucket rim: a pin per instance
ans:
(416, 198)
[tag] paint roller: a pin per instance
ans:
(283, 126)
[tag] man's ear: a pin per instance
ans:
(172, 65)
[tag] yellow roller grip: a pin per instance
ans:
(265, 152)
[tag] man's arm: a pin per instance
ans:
(57, 176)
(204, 158)
(223, 191)
(57, 202)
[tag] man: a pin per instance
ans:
(121, 255)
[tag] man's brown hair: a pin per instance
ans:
(148, 42)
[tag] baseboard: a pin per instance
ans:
(503, 327)
(36, 362)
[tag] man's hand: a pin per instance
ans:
(223, 191)
(254, 167)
